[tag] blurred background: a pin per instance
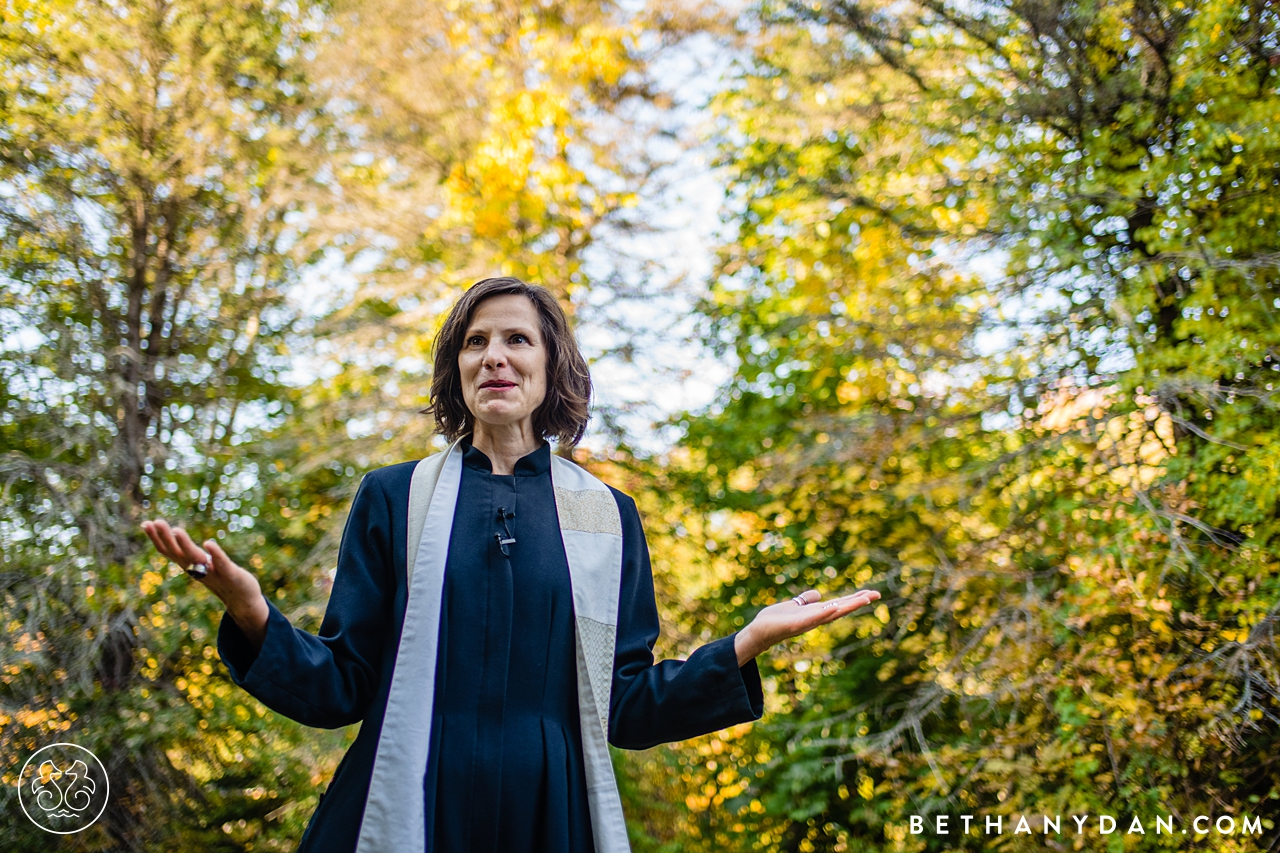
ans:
(976, 302)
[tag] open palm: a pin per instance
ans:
(790, 618)
(235, 586)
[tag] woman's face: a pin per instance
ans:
(503, 362)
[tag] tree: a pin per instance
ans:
(228, 234)
(1072, 514)
(153, 163)
(492, 139)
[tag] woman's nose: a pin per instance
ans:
(494, 356)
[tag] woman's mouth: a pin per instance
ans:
(497, 385)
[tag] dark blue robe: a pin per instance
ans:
(505, 770)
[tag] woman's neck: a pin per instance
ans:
(505, 445)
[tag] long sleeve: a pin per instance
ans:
(328, 680)
(671, 700)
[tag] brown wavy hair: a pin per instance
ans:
(564, 412)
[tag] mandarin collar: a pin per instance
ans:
(531, 465)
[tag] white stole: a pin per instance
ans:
(394, 818)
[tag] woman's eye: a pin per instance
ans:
(519, 339)
(475, 341)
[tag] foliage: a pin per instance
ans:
(1001, 305)
(487, 139)
(227, 237)
(151, 159)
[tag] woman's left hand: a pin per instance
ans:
(790, 618)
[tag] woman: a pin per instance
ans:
(492, 618)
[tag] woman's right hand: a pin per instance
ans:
(238, 589)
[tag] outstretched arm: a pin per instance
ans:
(719, 684)
(326, 680)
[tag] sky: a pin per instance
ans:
(671, 370)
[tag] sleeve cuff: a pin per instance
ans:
(241, 658)
(749, 682)
(752, 688)
(740, 684)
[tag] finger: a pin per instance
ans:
(193, 552)
(829, 612)
(849, 603)
(148, 527)
(213, 565)
(861, 598)
(843, 607)
(814, 614)
(171, 548)
(221, 561)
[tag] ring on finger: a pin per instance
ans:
(800, 599)
(198, 570)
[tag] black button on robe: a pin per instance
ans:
(505, 768)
